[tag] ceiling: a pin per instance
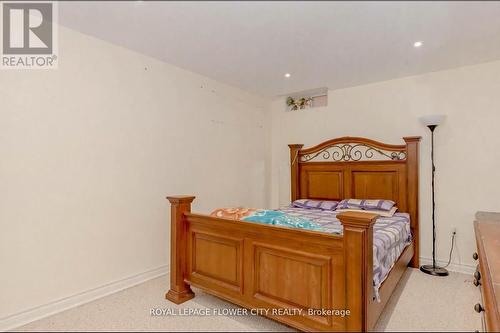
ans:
(251, 45)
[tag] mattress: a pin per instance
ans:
(391, 235)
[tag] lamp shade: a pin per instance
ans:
(432, 119)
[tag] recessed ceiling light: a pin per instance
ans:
(288, 75)
(418, 43)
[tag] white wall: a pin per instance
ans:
(467, 144)
(88, 153)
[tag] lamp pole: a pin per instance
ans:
(433, 269)
(432, 128)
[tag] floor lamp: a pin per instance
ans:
(432, 122)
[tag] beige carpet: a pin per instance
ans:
(420, 303)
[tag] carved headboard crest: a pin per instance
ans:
(352, 149)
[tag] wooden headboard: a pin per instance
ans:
(359, 168)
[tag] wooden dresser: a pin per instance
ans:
(487, 275)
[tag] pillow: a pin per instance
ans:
(315, 204)
(385, 205)
(382, 213)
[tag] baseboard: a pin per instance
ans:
(42, 311)
(45, 310)
(453, 267)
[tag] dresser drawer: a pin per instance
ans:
(487, 274)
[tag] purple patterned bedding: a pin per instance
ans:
(391, 235)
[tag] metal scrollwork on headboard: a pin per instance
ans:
(345, 152)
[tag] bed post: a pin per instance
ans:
(358, 260)
(412, 165)
(179, 290)
(294, 170)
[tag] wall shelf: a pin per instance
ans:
(319, 98)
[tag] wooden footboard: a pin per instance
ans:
(305, 279)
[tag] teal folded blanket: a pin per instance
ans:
(274, 217)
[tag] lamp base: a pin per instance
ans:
(434, 270)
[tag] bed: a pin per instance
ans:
(310, 280)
